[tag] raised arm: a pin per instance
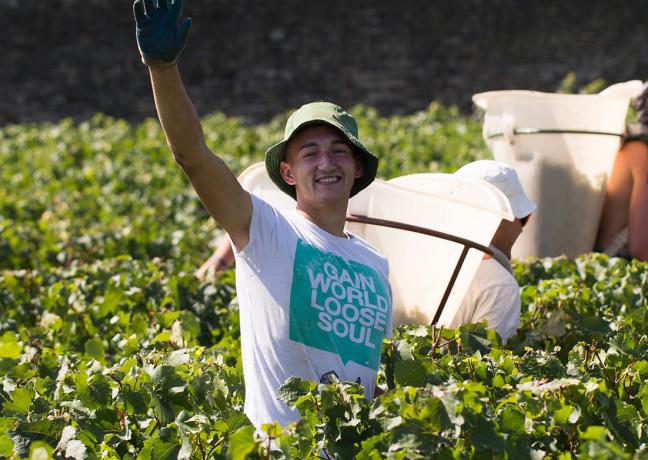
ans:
(161, 39)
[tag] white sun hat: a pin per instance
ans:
(505, 178)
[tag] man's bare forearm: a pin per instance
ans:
(215, 184)
(178, 117)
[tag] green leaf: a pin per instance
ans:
(474, 341)
(9, 346)
(643, 397)
(166, 445)
(6, 445)
(373, 448)
(484, 437)
(20, 403)
(96, 392)
(40, 450)
(622, 420)
(435, 415)
(236, 421)
(554, 326)
(641, 367)
(25, 433)
(563, 415)
(511, 421)
(164, 336)
(95, 349)
(595, 433)
(166, 319)
(163, 409)
(241, 443)
(190, 325)
(51, 322)
(167, 380)
(273, 430)
(137, 402)
(112, 299)
(293, 389)
(410, 373)
(402, 350)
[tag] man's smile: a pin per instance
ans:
(328, 179)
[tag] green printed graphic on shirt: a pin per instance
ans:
(338, 306)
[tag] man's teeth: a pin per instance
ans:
(328, 179)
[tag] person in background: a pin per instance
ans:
(221, 259)
(623, 228)
(314, 300)
(494, 294)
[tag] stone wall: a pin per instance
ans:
(256, 58)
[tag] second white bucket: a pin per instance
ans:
(563, 148)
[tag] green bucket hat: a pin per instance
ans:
(314, 113)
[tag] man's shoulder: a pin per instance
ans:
(491, 274)
(364, 245)
(265, 211)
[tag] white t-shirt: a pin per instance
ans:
(494, 296)
(311, 304)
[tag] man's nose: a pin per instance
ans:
(326, 159)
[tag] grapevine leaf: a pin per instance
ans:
(9, 346)
(241, 443)
(6, 445)
(27, 432)
(411, 372)
(95, 349)
(484, 437)
(511, 421)
(20, 403)
(165, 444)
(39, 450)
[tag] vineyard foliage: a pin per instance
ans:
(111, 348)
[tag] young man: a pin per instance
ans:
(622, 229)
(494, 294)
(315, 302)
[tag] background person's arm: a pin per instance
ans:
(637, 160)
(160, 40)
(221, 259)
(618, 190)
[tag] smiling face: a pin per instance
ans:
(321, 164)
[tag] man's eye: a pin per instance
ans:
(341, 151)
(308, 154)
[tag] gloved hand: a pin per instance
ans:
(159, 37)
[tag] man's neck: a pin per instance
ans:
(503, 259)
(503, 244)
(330, 218)
(506, 251)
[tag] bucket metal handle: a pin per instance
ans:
(467, 244)
(523, 131)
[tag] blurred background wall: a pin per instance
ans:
(257, 58)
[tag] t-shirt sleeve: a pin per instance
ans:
(263, 234)
(499, 305)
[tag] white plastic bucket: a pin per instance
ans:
(421, 266)
(563, 172)
(255, 180)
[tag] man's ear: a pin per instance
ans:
(286, 173)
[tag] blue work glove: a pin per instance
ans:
(159, 37)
